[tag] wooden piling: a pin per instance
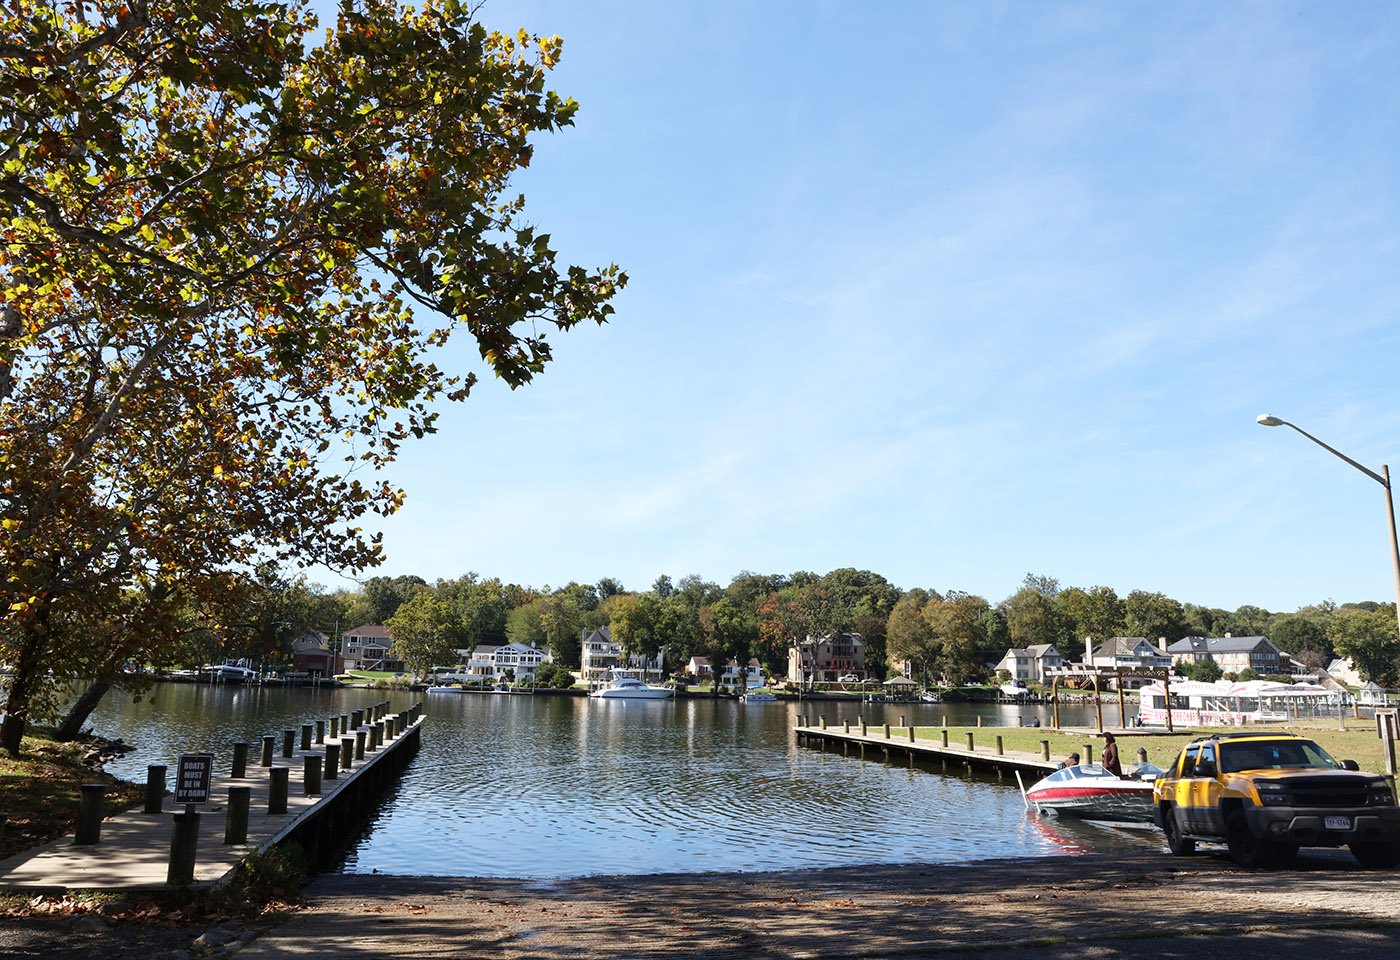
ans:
(90, 814)
(155, 788)
(240, 761)
(236, 822)
(277, 790)
(184, 841)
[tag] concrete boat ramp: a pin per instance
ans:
(323, 794)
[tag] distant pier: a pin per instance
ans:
(891, 742)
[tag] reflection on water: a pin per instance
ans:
(518, 786)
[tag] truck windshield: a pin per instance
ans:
(1274, 754)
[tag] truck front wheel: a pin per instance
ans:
(1176, 843)
(1379, 855)
(1245, 848)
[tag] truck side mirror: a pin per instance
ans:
(1204, 768)
(1349, 765)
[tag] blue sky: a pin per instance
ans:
(952, 292)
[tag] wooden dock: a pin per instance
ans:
(892, 742)
(135, 848)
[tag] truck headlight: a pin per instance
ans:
(1272, 794)
(1378, 794)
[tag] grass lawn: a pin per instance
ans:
(1358, 742)
(40, 792)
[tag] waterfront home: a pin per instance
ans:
(730, 675)
(313, 656)
(827, 659)
(368, 647)
(1031, 663)
(1344, 672)
(1231, 654)
(518, 660)
(1125, 653)
(601, 656)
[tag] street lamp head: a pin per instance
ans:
(1268, 420)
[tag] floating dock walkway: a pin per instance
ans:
(901, 741)
(334, 773)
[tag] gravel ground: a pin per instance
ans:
(1091, 906)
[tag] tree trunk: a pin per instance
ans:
(72, 723)
(26, 672)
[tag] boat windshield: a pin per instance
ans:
(1078, 771)
(1274, 754)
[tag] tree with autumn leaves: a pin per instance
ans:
(229, 260)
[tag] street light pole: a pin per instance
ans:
(1383, 478)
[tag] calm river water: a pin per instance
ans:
(548, 787)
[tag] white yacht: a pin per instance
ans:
(624, 687)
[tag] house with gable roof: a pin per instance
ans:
(368, 647)
(1231, 654)
(1031, 663)
(1126, 653)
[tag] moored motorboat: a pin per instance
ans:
(759, 696)
(1088, 790)
(624, 687)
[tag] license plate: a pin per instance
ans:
(1337, 823)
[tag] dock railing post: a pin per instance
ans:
(269, 744)
(1045, 750)
(320, 732)
(944, 734)
(155, 788)
(184, 842)
(240, 761)
(311, 774)
(911, 735)
(887, 731)
(332, 761)
(359, 744)
(970, 747)
(1088, 753)
(289, 742)
(335, 727)
(1000, 751)
(277, 790)
(90, 814)
(357, 719)
(347, 752)
(236, 824)
(306, 736)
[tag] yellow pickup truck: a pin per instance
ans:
(1266, 795)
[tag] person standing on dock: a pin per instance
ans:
(1110, 755)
